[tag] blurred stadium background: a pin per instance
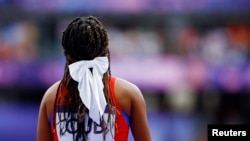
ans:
(190, 59)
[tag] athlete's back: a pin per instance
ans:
(127, 98)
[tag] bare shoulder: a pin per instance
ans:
(128, 94)
(132, 102)
(49, 98)
(45, 111)
(126, 86)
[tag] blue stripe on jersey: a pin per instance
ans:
(126, 117)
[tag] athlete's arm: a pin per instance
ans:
(44, 132)
(139, 122)
(132, 101)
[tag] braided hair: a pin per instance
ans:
(84, 39)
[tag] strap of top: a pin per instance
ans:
(122, 126)
(112, 93)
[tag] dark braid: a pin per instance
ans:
(83, 39)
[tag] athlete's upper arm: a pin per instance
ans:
(46, 108)
(132, 101)
(139, 122)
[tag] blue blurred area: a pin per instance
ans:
(189, 58)
(18, 121)
(129, 6)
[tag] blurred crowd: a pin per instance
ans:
(217, 45)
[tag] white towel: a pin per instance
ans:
(90, 85)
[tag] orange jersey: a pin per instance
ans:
(117, 133)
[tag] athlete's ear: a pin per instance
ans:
(68, 57)
(65, 52)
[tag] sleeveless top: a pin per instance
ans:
(118, 132)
